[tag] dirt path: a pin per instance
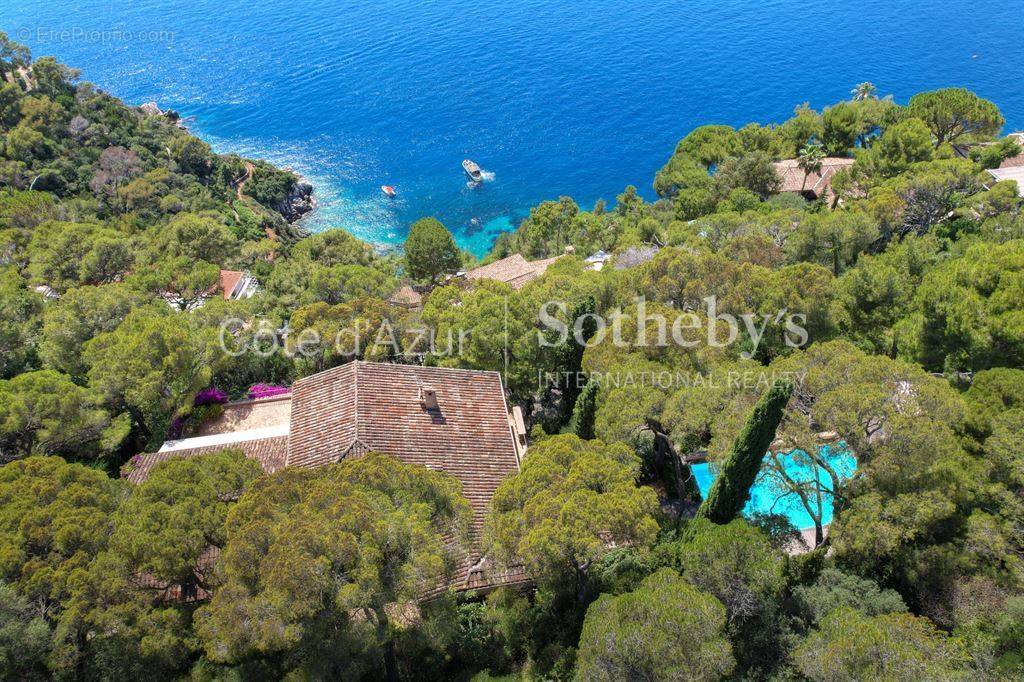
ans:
(240, 182)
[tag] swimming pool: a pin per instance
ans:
(768, 495)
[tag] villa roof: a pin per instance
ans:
(514, 270)
(450, 420)
(963, 150)
(246, 415)
(231, 284)
(1018, 160)
(271, 453)
(816, 184)
(365, 406)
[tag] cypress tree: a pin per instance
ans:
(582, 422)
(571, 360)
(731, 489)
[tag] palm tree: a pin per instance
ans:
(863, 91)
(809, 160)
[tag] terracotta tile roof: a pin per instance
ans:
(364, 406)
(269, 452)
(229, 280)
(360, 407)
(1013, 162)
(367, 406)
(246, 415)
(407, 297)
(169, 592)
(505, 270)
(792, 175)
(1018, 160)
(513, 270)
(539, 268)
(964, 151)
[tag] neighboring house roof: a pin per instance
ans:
(231, 285)
(450, 420)
(1010, 173)
(1013, 162)
(271, 452)
(963, 150)
(1018, 160)
(47, 292)
(514, 270)
(229, 280)
(816, 184)
(407, 297)
(234, 284)
(246, 415)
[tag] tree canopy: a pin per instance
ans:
(664, 630)
(890, 304)
(954, 113)
(344, 549)
(430, 250)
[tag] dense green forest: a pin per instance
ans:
(909, 276)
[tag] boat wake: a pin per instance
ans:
(485, 176)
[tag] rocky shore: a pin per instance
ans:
(297, 202)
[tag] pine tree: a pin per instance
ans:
(732, 487)
(430, 250)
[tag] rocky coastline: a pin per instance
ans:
(298, 202)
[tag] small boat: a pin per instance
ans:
(475, 173)
(389, 190)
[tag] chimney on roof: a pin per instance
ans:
(428, 398)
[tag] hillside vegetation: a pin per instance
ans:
(906, 280)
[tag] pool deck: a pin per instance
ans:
(795, 549)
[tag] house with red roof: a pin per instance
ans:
(452, 420)
(232, 285)
(513, 270)
(814, 185)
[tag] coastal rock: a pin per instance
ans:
(297, 202)
(151, 109)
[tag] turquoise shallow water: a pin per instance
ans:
(555, 98)
(767, 495)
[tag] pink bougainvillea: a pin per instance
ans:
(258, 391)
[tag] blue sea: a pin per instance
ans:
(554, 98)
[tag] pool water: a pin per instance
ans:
(769, 496)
